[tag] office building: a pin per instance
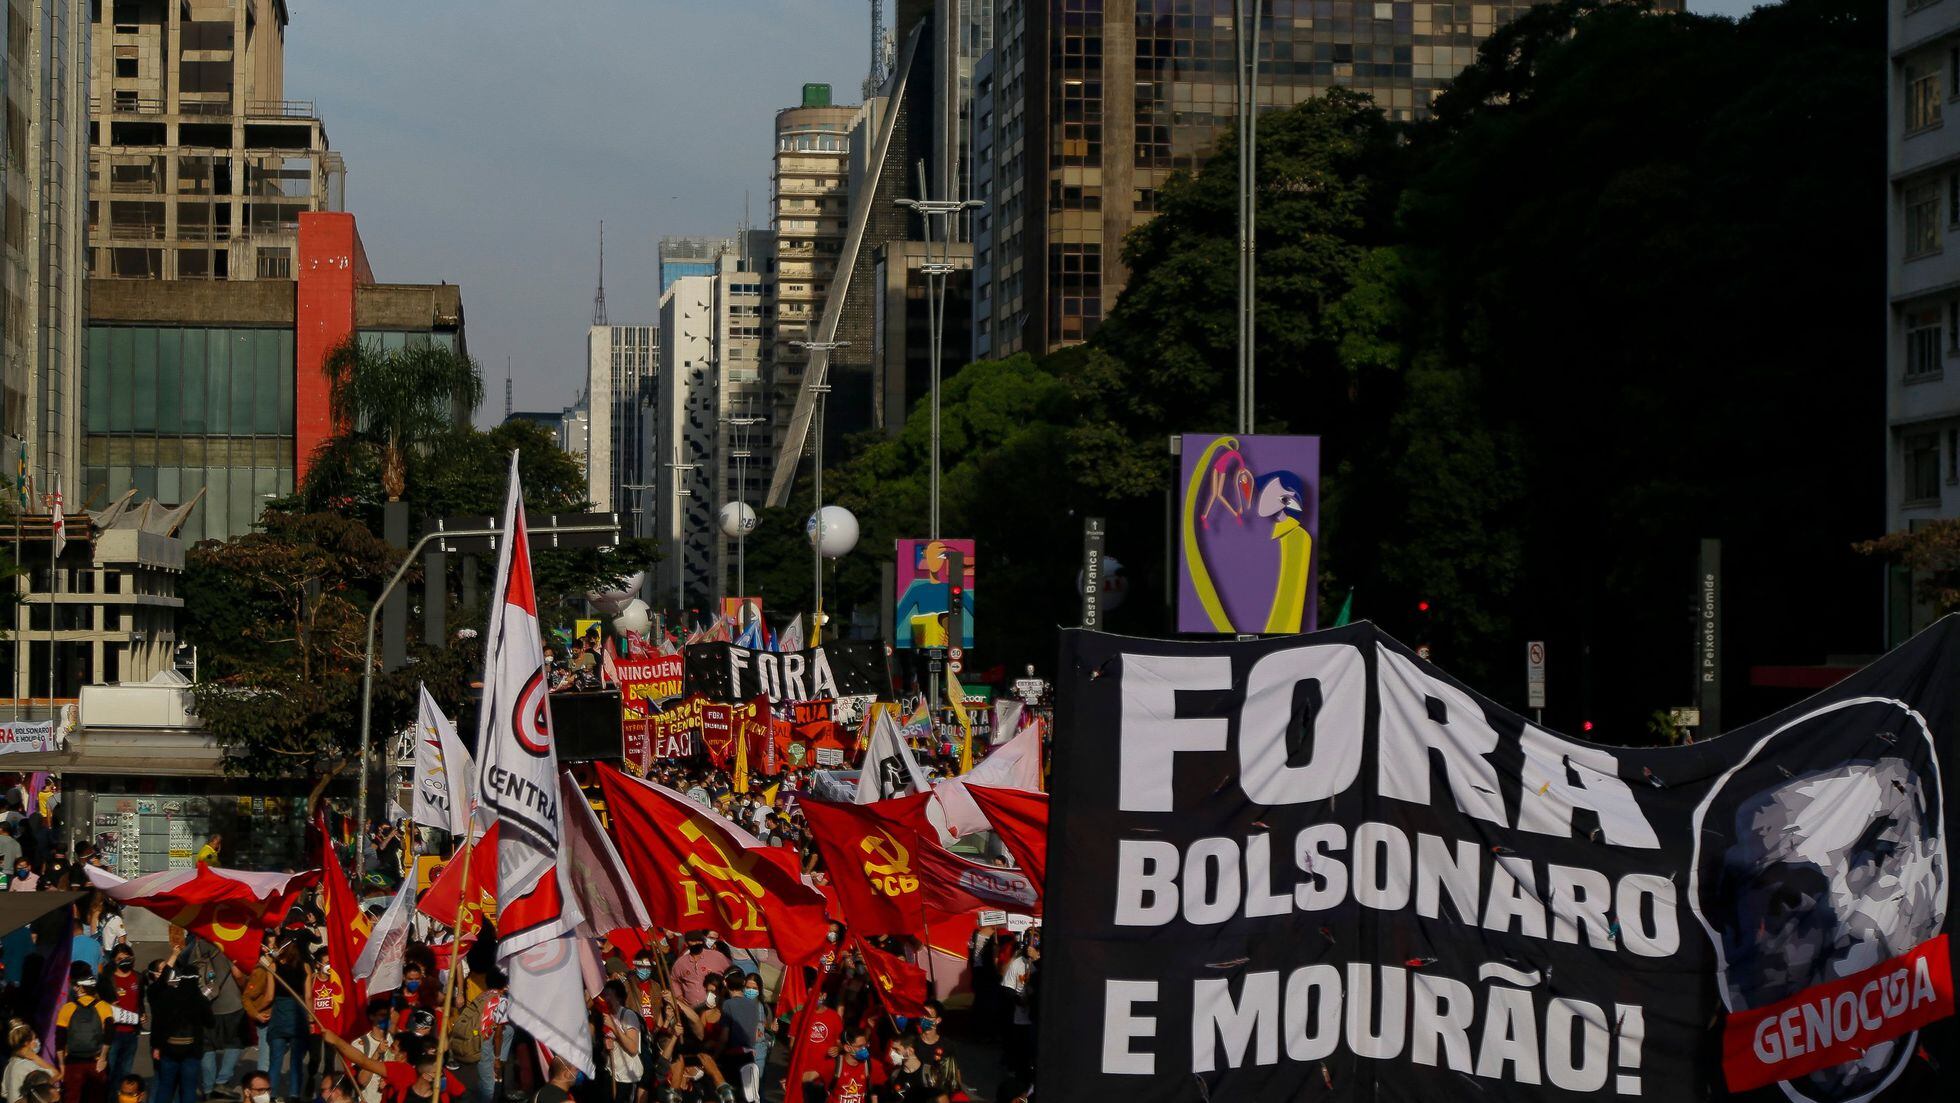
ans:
(888, 136)
(575, 429)
(619, 363)
(200, 166)
(677, 257)
(981, 327)
(1094, 105)
(708, 430)
(43, 254)
(197, 387)
(808, 203)
(1922, 312)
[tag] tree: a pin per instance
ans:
(399, 400)
(279, 617)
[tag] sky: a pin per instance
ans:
(486, 139)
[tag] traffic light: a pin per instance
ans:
(956, 598)
(1422, 606)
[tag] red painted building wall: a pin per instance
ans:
(331, 263)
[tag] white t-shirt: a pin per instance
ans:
(1015, 979)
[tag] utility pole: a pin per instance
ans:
(821, 389)
(1245, 40)
(741, 454)
(680, 469)
(936, 270)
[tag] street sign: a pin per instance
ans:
(955, 666)
(956, 652)
(1093, 537)
(1534, 674)
(1030, 689)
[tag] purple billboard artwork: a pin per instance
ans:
(1248, 522)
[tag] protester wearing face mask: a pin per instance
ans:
(415, 994)
(743, 1013)
(82, 1033)
(122, 986)
(258, 1088)
(908, 1073)
(130, 1089)
(695, 965)
(181, 1021)
(858, 1070)
(25, 1046)
(25, 880)
(377, 1044)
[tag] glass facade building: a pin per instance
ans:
(184, 409)
(1096, 103)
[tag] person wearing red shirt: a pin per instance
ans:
(122, 986)
(404, 1083)
(858, 1071)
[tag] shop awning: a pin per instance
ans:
(128, 752)
(18, 909)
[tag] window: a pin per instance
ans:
(126, 67)
(1922, 343)
(1922, 97)
(1922, 468)
(1922, 220)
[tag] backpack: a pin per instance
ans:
(86, 1030)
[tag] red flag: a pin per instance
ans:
(959, 886)
(339, 1000)
(817, 1030)
(229, 907)
(871, 853)
(901, 986)
(699, 870)
(439, 902)
(1021, 821)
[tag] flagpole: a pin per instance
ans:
(455, 957)
(54, 588)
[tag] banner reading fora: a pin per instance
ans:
(1318, 867)
(725, 672)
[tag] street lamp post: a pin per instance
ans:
(741, 454)
(936, 271)
(821, 389)
(679, 469)
(1245, 41)
(367, 662)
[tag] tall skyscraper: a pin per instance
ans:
(809, 200)
(202, 165)
(1095, 105)
(1922, 331)
(43, 258)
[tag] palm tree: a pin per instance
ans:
(400, 399)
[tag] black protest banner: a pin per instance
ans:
(1319, 868)
(724, 672)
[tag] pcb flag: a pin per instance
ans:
(517, 784)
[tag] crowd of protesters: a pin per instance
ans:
(682, 1017)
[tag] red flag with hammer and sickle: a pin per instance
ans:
(871, 851)
(697, 870)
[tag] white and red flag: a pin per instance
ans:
(230, 908)
(517, 786)
(442, 771)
